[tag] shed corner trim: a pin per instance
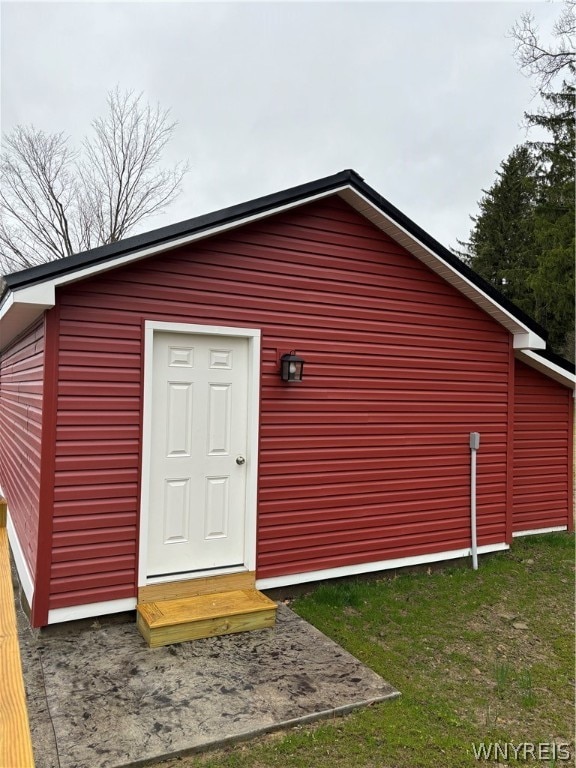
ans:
(26, 580)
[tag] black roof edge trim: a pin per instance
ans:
(558, 360)
(260, 205)
(170, 232)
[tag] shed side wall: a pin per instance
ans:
(366, 460)
(542, 455)
(21, 385)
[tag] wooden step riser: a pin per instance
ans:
(174, 590)
(200, 628)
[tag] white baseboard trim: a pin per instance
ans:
(24, 574)
(91, 610)
(382, 565)
(534, 531)
(74, 612)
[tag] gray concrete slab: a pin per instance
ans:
(100, 698)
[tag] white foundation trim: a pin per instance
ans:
(24, 574)
(58, 615)
(73, 613)
(540, 530)
(382, 565)
(253, 336)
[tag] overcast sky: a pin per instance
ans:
(424, 100)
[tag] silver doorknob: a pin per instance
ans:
(240, 460)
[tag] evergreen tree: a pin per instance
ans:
(502, 242)
(522, 240)
(552, 281)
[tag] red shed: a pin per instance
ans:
(148, 441)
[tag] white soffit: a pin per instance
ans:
(17, 317)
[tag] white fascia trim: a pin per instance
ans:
(525, 337)
(528, 341)
(33, 292)
(6, 304)
(58, 615)
(24, 574)
(18, 312)
(547, 367)
(42, 295)
(535, 531)
(382, 565)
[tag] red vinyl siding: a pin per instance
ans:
(21, 387)
(367, 459)
(542, 451)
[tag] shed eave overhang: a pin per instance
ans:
(547, 367)
(17, 313)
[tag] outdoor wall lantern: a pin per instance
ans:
(291, 367)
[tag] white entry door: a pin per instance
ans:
(197, 494)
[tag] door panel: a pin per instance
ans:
(199, 427)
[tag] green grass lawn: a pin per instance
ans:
(485, 656)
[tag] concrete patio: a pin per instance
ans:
(98, 697)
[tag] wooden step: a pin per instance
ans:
(176, 590)
(175, 621)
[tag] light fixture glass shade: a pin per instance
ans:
(291, 367)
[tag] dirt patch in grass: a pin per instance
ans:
(483, 657)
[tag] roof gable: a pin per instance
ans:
(29, 292)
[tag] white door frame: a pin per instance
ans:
(253, 336)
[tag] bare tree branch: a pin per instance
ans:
(55, 202)
(37, 192)
(546, 63)
(120, 175)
